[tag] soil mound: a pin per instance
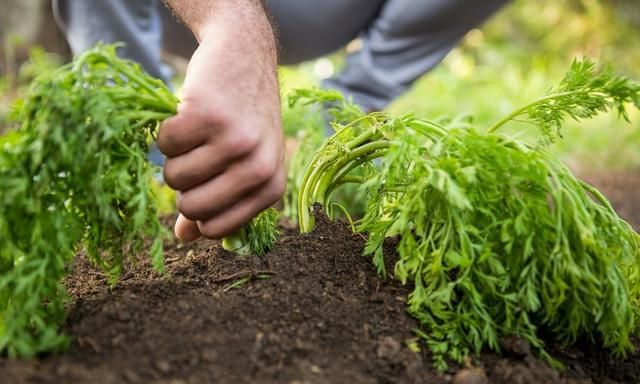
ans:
(311, 311)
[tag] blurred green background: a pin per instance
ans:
(515, 57)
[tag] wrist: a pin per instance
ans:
(240, 28)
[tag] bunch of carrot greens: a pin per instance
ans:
(496, 236)
(75, 172)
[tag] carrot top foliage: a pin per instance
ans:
(75, 173)
(497, 237)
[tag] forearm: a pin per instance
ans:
(203, 15)
(239, 28)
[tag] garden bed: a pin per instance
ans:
(311, 311)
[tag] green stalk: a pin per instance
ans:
(326, 172)
(257, 237)
(318, 181)
(527, 107)
(358, 156)
(238, 243)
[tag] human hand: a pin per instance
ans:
(224, 147)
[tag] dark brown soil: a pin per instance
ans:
(311, 311)
(623, 190)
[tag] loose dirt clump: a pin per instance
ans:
(311, 311)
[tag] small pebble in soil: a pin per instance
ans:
(62, 370)
(388, 347)
(515, 346)
(470, 376)
(573, 353)
(163, 366)
(131, 376)
(118, 340)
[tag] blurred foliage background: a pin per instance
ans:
(513, 58)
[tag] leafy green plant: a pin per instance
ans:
(257, 237)
(73, 173)
(14, 85)
(497, 237)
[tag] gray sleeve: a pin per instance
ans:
(407, 39)
(401, 39)
(137, 23)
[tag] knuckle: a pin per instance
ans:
(262, 171)
(242, 144)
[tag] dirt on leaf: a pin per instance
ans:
(311, 311)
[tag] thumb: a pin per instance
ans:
(186, 230)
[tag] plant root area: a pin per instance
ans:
(311, 311)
